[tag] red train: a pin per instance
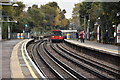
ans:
(56, 36)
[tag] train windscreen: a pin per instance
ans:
(57, 33)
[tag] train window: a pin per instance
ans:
(57, 33)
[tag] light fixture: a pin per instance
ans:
(15, 5)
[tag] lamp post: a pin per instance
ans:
(97, 24)
(85, 24)
(86, 17)
(99, 29)
(88, 30)
(117, 29)
(9, 31)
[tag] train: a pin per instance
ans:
(56, 36)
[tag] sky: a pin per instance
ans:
(68, 5)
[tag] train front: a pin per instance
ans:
(56, 36)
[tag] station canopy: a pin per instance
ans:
(5, 1)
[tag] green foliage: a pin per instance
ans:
(50, 13)
(84, 8)
(35, 16)
(106, 11)
(45, 18)
(38, 19)
(53, 4)
(64, 23)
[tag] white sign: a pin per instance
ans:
(118, 33)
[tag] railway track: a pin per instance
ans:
(114, 70)
(94, 67)
(56, 61)
(53, 69)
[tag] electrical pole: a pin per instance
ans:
(88, 30)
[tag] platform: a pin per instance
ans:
(5, 53)
(15, 61)
(106, 48)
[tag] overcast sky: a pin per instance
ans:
(68, 5)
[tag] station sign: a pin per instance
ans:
(118, 33)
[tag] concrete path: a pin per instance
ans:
(5, 53)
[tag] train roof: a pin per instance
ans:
(56, 30)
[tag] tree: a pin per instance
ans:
(76, 15)
(105, 10)
(64, 23)
(50, 13)
(53, 4)
(57, 18)
(45, 17)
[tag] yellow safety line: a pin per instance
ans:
(14, 62)
(27, 64)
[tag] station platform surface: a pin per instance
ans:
(14, 61)
(5, 53)
(108, 48)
